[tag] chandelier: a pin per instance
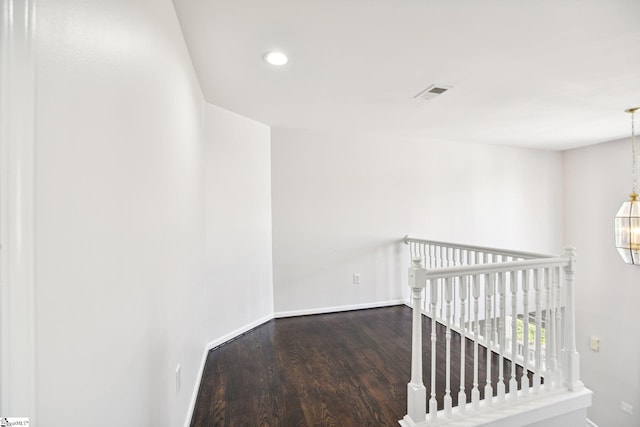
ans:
(628, 218)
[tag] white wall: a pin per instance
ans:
(122, 291)
(119, 208)
(238, 208)
(597, 181)
(341, 203)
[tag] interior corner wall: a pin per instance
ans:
(597, 180)
(239, 277)
(119, 214)
(342, 203)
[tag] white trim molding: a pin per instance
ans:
(233, 334)
(338, 309)
(17, 253)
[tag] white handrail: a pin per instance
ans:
(505, 252)
(498, 267)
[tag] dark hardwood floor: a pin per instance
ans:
(341, 369)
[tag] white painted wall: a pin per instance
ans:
(129, 187)
(597, 180)
(119, 214)
(341, 203)
(239, 274)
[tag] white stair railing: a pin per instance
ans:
(516, 305)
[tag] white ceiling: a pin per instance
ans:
(542, 73)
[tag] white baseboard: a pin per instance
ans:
(231, 335)
(591, 423)
(196, 388)
(215, 343)
(337, 309)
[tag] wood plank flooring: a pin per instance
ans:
(339, 369)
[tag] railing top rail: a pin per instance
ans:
(497, 267)
(505, 252)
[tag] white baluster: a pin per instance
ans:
(423, 257)
(537, 279)
(426, 262)
(572, 356)
(462, 396)
(448, 292)
(524, 379)
(441, 282)
(454, 314)
(469, 316)
(501, 286)
(434, 257)
(560, 363)
(475, 392)
(427, 256)
(513, 382)
(425, 303)
(494, 319)
(550, 333)
(433, 402)
(544, 279)
(433, 251)
(488, 290)
(416, 392)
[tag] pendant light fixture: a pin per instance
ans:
(628, 217)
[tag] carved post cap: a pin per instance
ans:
(570, 252)
(417, 274)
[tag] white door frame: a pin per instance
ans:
(17, 252)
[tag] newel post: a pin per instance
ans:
(570, 354)
(416, 391)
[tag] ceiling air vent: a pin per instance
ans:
(432, 91)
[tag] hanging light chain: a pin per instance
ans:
(633, 151)
(634, 159)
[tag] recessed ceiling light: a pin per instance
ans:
(276, 58)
